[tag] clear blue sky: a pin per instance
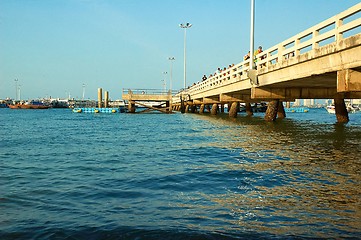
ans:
(53, 47)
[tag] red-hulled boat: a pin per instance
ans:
(29, 105)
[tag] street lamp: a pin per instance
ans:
(83, 91)
(185, 26)
(16, 89)
(171, 59)
(165, 82)
(251, 55)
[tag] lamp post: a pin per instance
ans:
(185, 26)
(83, 91)
(251, 60)
(16, 89)
(165, 81)
(171, 59)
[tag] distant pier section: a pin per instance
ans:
(150, 99)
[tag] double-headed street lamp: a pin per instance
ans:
(185, 26)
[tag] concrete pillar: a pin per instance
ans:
(182, 106)
(106, 99)
(222, 108)
(214, 110)
(167, 104)
(131, 107)
(271, 112)
(281, 110)
(341, 111)
(288, 104)
(249, 109)
(232, 109)
(193, 108)
(100, 97)
(201, 109)
(186, 108)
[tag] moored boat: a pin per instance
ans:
(29, 105)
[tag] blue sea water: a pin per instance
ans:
(67, 175)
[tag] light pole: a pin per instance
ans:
(16, 89)
(165, 81)
(19, 89)
(83, 91)
(185, 26)
(171, 59)
(251, 60)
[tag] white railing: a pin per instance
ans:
(327, 32)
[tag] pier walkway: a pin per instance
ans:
(322, 62)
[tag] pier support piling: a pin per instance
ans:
(100, 97)
(233, 110)
(201, 109)
(249, 109)
(341, 111)
(272, 110)
(214, 110)
(281, 111)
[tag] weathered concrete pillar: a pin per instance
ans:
(131, 107)
(100, 97)
(193, 108)
(249, 109)
(182, 106)
(341, 111)
(271, 112)
(214, 110)
(186, 109)
(201, 109)
(232, 111)
(167, 105)
(281, 110)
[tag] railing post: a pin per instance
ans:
(315, 44)
(338, 35)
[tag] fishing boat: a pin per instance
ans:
(29, 105)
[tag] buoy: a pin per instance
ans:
(96, 110)
(79, 110)
(114, 111)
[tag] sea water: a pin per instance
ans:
(67, 175)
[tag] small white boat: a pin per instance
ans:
(350, 109)
(331, 109)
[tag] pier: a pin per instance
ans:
(322, 62)
(150, 99)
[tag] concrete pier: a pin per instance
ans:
(341, 111)
(272, 110)
(214, 110)
(249, 109)
(281, 111)
(233, 110)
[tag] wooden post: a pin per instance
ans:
(271, 112)
(341, 111)
(281, 110)
(232, 112)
